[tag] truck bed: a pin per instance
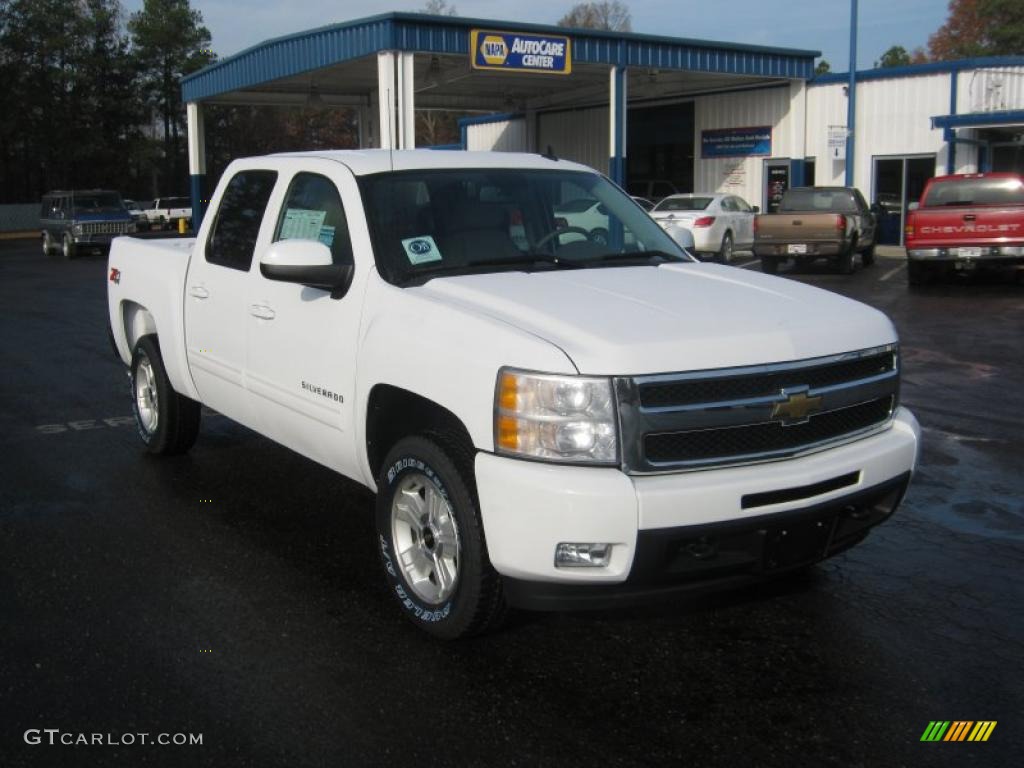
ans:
(152, 272)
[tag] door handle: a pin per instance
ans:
(261, 311)
(198, 292)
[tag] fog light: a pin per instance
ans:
(574, 555)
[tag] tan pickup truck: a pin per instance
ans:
(815, 223)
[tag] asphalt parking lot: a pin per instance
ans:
(235, 592)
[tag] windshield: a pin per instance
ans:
(471, 221)
(98, 202)
(825, 200)
(683, 204)
(992, 191)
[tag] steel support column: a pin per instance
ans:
(388, 128)
(617, 119)
(196, 159)
(851, 96)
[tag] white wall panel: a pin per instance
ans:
(503, 136)
(580, 135)
(990, 90)
(893, 118)
(781, 107)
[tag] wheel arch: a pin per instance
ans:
(393, 413)
(136, 322)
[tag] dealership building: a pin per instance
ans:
(655, 113)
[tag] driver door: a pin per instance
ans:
(301, 341)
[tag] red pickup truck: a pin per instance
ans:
(964, 222)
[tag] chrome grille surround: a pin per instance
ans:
(859, 393)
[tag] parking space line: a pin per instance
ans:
(888, 275)
(748, 263)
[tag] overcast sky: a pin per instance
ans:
(821, 25)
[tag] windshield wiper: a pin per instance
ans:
(527, 259)
(637, 256)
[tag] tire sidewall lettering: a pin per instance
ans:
(422, 612)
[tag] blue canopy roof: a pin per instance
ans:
(420, 33)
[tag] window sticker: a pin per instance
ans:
(327, 235)
(302, 224)
(421, 250)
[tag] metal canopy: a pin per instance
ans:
(338, 63)
(996, 119)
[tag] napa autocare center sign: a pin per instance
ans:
(736, 142)
(515, 52)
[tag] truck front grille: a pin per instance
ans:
(734, 416)
(757, 439)
(105, 228)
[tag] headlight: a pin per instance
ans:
(555, 418)
(76, 229)
(131, 227)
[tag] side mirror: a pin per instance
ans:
(913, 206)
(755, 208)
(309, 263)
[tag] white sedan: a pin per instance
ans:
(720, 224)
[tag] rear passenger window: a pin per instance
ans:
(313, 211)
(233, 235)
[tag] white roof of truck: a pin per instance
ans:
(365, 161)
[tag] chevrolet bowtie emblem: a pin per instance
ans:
(796, 408)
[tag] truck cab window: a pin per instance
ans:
(234, 232)
(313, 211)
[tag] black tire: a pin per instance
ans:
(867, 256)
(68, 248)
(769, 265)
(176, 425)
(476, 603)
(845, 262)
(47, 244)
(918, 273)
(725, 252)
(599, 236)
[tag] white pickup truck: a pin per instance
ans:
(549, 420)
(165, 212)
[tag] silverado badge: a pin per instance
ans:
(796, 408)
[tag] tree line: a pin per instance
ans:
(91, 97)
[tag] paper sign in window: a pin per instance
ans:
(302, 224)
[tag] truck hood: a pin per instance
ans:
(675, 317)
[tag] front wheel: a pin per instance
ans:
(168, 423)
(68, 247)
(431, 539)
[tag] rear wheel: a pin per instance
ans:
(769, 265)
(47, 244)
(168, 423)
(432, 541)
(845, 262)
(918, 273)
(725, 253)
(867, 256)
